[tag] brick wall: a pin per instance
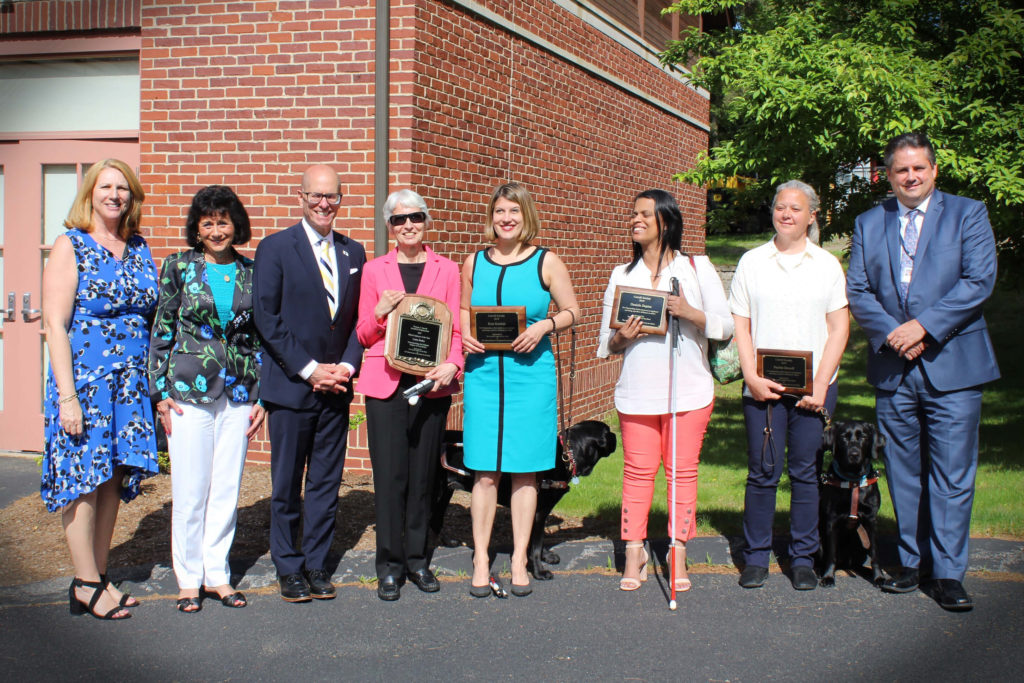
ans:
(249, 93)
(489, 106)
(46, 16)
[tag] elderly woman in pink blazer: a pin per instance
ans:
(405, 440)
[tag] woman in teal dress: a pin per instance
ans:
(99, 291)
(510, 411)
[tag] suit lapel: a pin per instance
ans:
(343, 275)
(430, 272)
(309, 265)
(931, 224)
(892, 239)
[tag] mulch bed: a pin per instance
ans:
(32, 545)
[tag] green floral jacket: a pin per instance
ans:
(193, 355)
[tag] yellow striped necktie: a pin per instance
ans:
(327, 274)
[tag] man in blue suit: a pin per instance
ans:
(921, 267)
(305, 293)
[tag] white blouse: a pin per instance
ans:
(643, 384)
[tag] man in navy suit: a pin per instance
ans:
(305, 293)
(921, 267)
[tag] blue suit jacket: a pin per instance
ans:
(954, 273)
(294, 320)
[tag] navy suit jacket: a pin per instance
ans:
(954, 273)
(293, 318)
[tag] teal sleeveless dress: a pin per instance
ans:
(509, 411)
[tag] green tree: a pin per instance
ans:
(808, 89)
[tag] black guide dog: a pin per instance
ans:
(849, 500)
(589, 442)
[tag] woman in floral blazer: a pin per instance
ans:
(204, 366)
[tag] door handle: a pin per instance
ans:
(26, 307)
(9, 311)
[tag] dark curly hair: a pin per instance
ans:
(670, 225)
(217, 200)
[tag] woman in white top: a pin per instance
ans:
(642, 392)
(787, 294)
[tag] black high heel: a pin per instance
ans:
(126, 599)
(77, 607)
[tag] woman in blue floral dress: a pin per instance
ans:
(99, 290)
(204, 366)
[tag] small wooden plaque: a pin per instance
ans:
(651, 305)
(496, 327)
(792, 369)
(419, 334)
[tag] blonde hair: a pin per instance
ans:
(80, 215)
(517, 193)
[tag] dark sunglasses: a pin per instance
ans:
(415, 217)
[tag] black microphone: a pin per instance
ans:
(412, 394)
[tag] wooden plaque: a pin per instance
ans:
(792, 369)
(419, 334)
(496, 327)
(650, 305)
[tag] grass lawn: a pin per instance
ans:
(998, 503)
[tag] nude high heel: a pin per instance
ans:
(628, 583)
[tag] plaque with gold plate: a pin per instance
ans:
(792, 369)
(418, 335)
(496, 327)
(650, 305)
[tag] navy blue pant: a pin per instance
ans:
(796, 440)
(931, 456)
(311, 442)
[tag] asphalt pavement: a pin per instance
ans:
(576, 627)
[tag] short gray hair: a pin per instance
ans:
(406, 197)
(813, 203)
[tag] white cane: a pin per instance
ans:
(674, 331)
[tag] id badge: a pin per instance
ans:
(905, 274)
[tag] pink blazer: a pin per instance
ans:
(441, 280)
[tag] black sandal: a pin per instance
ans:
(184, 603)
(126, 599)
(77, 606)
(236, 600)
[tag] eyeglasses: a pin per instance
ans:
(415, 217)
(334, 198)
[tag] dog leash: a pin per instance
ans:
(565, 415)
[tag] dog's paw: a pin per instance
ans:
(542, 574)
(449, 541)
(550, 557)
(878, 579)
(828, 581)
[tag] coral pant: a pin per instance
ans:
(647, 444)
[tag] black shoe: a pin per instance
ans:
(803, 578)
(521, 591)
(320, 586)
(294, 588)
(753, 577)
(425, 580)
(480, 591)
(906, 582)
(950, 595)
(388, 588)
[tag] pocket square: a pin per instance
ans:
(353, 271)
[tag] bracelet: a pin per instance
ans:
(552, 319)
(68, 398)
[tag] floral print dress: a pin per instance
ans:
(109, 335)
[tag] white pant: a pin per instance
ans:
(207, 448)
